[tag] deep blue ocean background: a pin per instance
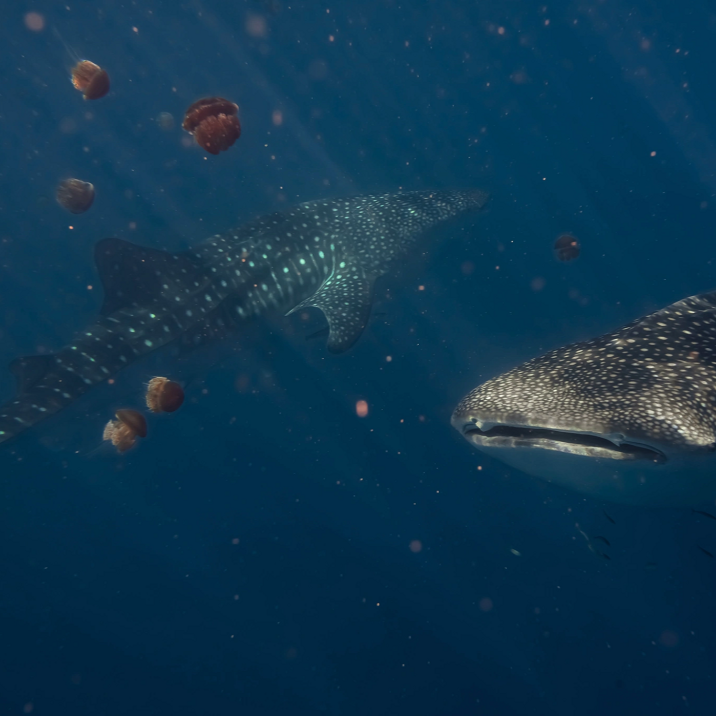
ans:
(253, 556)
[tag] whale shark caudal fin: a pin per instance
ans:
(345, 299)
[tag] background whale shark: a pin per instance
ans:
(629, 416)
(325, 254)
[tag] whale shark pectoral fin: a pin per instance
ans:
(345, 300)
(134, 274)
(29, 370)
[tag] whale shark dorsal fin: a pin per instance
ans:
(28, 370)
(345, 299)
(133, 274)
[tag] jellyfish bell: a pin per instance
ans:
(207, 107)
(134, 420)
(124, 431)
(75, 195)
(213, 122)
(164, 395)
(217, 134)
(98, 86)
(566, 248)
(90, 79)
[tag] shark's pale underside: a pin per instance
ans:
(325, 254)
(629, 416)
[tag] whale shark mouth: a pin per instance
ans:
(575, 443)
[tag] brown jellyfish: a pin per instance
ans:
(75, 195)
(566, 248)
(164, 395)
(124, 431)
(90, 79)
(214, 123)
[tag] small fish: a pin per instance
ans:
(592, 548)
(611, 519)
(705, 514)
(650, 566)
(603, 539)
(705, 551)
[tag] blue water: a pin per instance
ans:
(254, 556)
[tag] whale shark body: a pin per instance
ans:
(326, 254)
(629, 416)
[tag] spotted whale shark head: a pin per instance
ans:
(629, 416)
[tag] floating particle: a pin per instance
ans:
(486, 604)
(256, 26)
(164, 395)
(124, 431)
(165, 120)
(214, 123)
(90, 79)
(75, 195)
(34, 21)
(566, 248)
(361, 408)
(416, 546)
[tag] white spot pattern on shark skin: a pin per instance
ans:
(643, 394)
(285, 260)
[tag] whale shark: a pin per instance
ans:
(628, 417)
(325, 254)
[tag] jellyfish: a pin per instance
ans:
(214, 123)
(90, 79)
(566, 248)
(124, 431)
(75, 195)
(165, 120)
(164, 395)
